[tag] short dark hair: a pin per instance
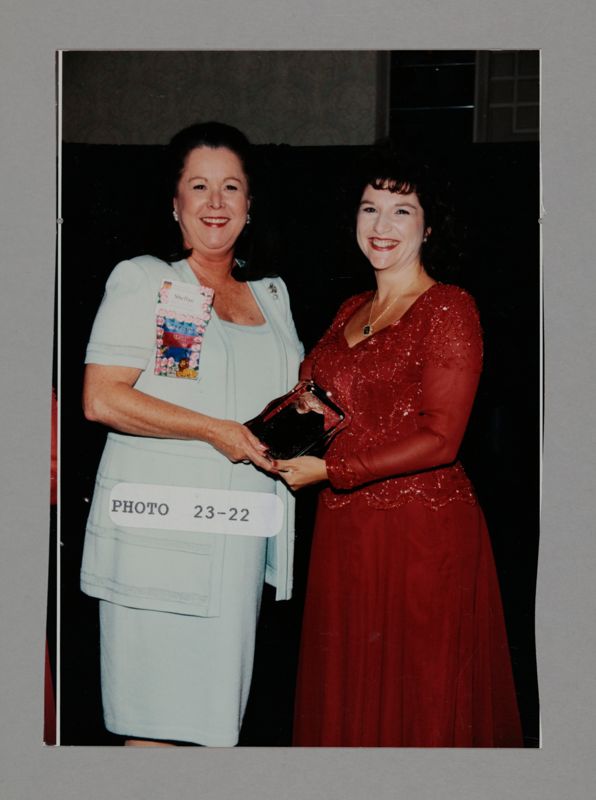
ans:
(402, 174)
(205, 134)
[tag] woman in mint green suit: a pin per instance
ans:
(180, 355)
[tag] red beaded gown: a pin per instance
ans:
(403, 640)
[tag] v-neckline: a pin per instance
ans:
(391, 324)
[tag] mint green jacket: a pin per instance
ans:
(164, 570)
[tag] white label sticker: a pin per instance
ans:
(182, 508)
(185, 298)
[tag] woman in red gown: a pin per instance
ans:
(403, 641)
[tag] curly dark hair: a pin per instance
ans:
(441, 253)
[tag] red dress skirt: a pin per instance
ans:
(403, 640)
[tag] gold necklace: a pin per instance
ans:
(368, 329)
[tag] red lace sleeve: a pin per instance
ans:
(454, 337)
(343, 314)
(451, 363)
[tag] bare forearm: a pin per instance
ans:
(109, 397)
(128, 410)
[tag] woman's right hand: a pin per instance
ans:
(237, 443)
(110, 398)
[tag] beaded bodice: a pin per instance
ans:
(380, 382)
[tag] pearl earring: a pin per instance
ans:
(175, 215)
(248, 219)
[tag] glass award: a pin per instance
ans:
(302, 421)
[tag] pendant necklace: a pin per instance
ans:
(368, 329)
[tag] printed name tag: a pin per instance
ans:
(182, 508)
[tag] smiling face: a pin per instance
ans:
(390, 228)
(212, 201)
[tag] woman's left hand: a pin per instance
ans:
(302, 471)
